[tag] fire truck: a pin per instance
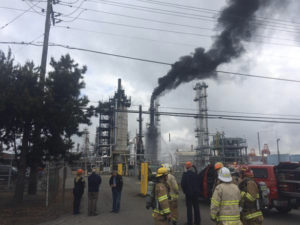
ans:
(283, 182)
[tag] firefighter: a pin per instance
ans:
(217, 167)
(174, 191)
(224, 208)
(251, 213)
(161, 212)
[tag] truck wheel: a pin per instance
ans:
(283, 209)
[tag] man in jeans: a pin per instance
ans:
(116, 184)
(190, 187)
(94, 182)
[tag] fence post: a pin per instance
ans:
(64, 182)
(9, 175)
(47, 188)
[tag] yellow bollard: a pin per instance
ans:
(120, 169)
(144, 178)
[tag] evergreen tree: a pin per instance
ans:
(42, 118)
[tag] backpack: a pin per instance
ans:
(150, 196)
(263, 191)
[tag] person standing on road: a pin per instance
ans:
(224, 207)
(78, 190)
(94, 182)
(251, 213)
(116, 184)
(171, 180)
(190, 187)
(161, 213)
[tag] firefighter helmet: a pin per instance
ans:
(79, 171)
(224, 175)
(218, 165)
(188, 165)
(246, 171)
(162, 172)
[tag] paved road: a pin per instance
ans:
(133, 210)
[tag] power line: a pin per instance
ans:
(233, 112)
(144, 19)
(21, 10)
(141, 27)
(122, 36)
(154, 10)
(178, 13)
(165, 22)
(222, 117)
(33, 40)
(223, 111)
(76, 7)
(162, 30)
(169, 31)
(17, 17)
(156, 29)
(148, 60)
(211, 11)
(70, 3)
(34, 10)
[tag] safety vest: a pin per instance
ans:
(161, 200)
(250, 199)
(225, 203)
(173, 187)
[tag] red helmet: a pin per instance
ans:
(188, 164)
(79, 171)
(246, 171)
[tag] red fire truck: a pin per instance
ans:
(283, 182)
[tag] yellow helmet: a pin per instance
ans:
(162, 172)
(167, 166)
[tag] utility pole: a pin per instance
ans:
(86, 149)
(278, 154)
(140, 151)
(49, 11)
(258, 139)
(50, 15)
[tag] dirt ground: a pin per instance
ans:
(33, 211)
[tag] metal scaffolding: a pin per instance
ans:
(203, 150)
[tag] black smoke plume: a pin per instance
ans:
(238, 23)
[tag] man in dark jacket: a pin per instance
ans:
(78, 190)
(116, 184)
(190, 187)
(94, 182)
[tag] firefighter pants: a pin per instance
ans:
(174, 209)
(230, 223)
(160, 219)
(255, 221)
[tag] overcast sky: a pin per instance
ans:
(274, 52)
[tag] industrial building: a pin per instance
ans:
(153, 135)
(112, 132)
(227, 150)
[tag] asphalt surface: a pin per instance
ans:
(133, 210)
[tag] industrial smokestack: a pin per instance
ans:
(152, 113)
(238, 24)
(119, 84)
